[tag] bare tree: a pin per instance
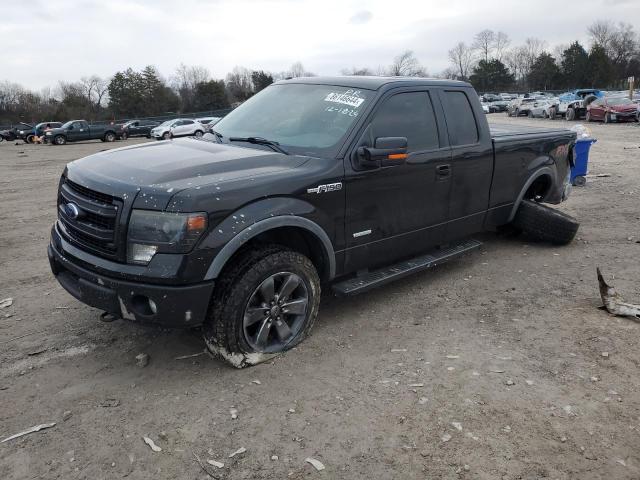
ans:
(531, 50)
(449, 73)
(602, 32)
(95, 89)
(461, 57)
(189, 76)
(354, 71)
(406, 65)
(624, 44)
(483, 43)
(516, 60)
(239, 84)
(501, 42)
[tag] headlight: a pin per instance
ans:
(47, 133)
(21, 132)
(153, 232)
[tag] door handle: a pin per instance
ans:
(443, 170)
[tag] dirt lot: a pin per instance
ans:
(490, 367)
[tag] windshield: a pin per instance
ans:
(620, 101)
(166, 122)
(67, 124)
(303, 118)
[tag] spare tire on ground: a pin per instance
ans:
(544, 223)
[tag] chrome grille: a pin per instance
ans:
(95, 227)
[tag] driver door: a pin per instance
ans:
(398, 211)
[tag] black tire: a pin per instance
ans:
(109, 137)
(224, 329)
(607, 118)
(124, 136)
(552, 113)
(1, 139)
(59, 140)
(530, 114)
(570, 115)
(166, 135)
(544, 223)
(30, 139)
(198, 134)
(587, 117)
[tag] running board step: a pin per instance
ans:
(375, 278)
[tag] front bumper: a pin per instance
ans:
(162, 305)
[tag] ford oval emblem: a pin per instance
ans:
(72, 211)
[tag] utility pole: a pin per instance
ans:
(631, 80)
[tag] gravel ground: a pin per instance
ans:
(496, 366)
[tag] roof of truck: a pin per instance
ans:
(374, 83)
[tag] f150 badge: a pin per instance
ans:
(329, 187)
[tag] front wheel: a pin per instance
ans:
(552, 113)
(607, 118)
(60, 140)
(263, 305)
(124, 136)
(166, 135)
(570, 115)
(109, 137)
(198, 134)
(587, 117)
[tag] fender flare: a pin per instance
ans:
(233, 245)
(537, 174)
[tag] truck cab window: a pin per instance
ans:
(463, 129)
(408, 115)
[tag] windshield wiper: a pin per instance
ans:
(218, 135)
(275, 146)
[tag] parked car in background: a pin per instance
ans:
(612, 109)
(485, 107)
(78, 130)
(208, 122)
(138, 128)
(541, 108)
(520, 106)
(17, 131)
(179, 127)
(507, 96)
(498, 106)
(41, 128)
(490, 97)
(573, 105)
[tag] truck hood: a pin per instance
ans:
(161, 169)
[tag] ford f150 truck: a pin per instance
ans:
(346, 182)
(77, 130)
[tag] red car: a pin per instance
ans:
(612, 109)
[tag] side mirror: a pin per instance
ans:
(387, 151)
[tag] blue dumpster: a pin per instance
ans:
(581, 161)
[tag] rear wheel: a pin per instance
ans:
(607, 118)
(264, 304)
(166, 135)
(109, 137)
(530, 114)
(587, 117)
(552, 113)
(570, 115)
(124, 135)
(544, 223)
(198, 134)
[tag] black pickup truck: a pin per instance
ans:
(79, 130)
(348, 182)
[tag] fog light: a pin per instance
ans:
(153, 307)
(139, 253)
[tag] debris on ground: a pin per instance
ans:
(37, 428)
(257, 382)
(110, 403)
(215, 464)
(317, 464)
(142, 360)
(274, 457)
(614, 303)
(151, 444)
(184, 357)
(239, 451)
(457, 426)
(204, 469)
(66, 415)
(6, 302)
(445, 438)
(423, 400)
(398, 350)
(234, 413)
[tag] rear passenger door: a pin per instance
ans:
(394, 212)
(471, 162)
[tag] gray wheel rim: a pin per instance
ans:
(276, 312)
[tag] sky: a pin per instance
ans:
(45, 41)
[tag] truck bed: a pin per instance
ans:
(501, 132)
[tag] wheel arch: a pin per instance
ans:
(541, 180)
(288, 230)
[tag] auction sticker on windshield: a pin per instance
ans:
(350, 97)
